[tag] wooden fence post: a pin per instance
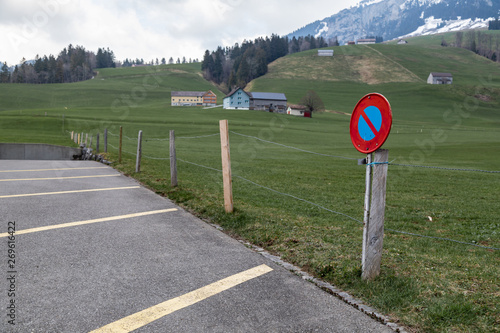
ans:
(120, 146)
(373, 234)
(97, 144)
(72, 135)
(139, 153)
(105, 140)
(226, 166)
(173, 160)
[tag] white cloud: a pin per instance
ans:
(148, 28)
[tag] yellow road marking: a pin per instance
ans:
(61, 169)
(67, 192)
(58, 178)
(74, 224)
(158, 311)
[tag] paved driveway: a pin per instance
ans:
(94, 251)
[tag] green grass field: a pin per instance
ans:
(288, 201)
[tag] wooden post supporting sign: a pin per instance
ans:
(373, 232)
(226, 166)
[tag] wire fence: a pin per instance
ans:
(160, 145)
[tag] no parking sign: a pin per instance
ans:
(371, 123)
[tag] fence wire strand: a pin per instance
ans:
(442, 168)
(307, 201)
(294, 148)
(338, 213)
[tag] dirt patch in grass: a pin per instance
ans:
(179, 71)
(484, 98)
(376, 70)
(338, 112)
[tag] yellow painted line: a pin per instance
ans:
(60, 169)
(58, 178)
(153, 313)
(68, 192)
(74, 224)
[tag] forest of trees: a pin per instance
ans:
(163, 61)
(73, 64)
(235, 66)
(494, 25)
(480, 42)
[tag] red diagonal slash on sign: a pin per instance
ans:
(369, 122)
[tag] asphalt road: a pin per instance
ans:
(94, 251)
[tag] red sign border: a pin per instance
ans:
(379, 101)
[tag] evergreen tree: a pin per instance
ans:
(218, 67)
(494, 25)
(5, 74)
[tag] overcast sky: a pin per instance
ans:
(148, 29)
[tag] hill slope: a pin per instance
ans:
(400, 71)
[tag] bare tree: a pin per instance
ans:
(313, 102)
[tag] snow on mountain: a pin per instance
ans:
(368, 3)
(394, 18)
(419, 3)
(323, 30)
(437, 26)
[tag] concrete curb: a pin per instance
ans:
(345, 297)
(328, 288)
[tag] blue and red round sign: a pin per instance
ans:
(371, 123)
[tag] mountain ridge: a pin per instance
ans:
(392, 19)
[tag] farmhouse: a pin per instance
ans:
(440, 78)
(237, 99)
(325, 53)
(402, 42)
(193, 98)
(209, 98)
(298, 110)
(272, 102)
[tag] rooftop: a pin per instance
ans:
(265, 95)
(188, 93)
(442, 74)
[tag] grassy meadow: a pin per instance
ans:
(307, 207)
